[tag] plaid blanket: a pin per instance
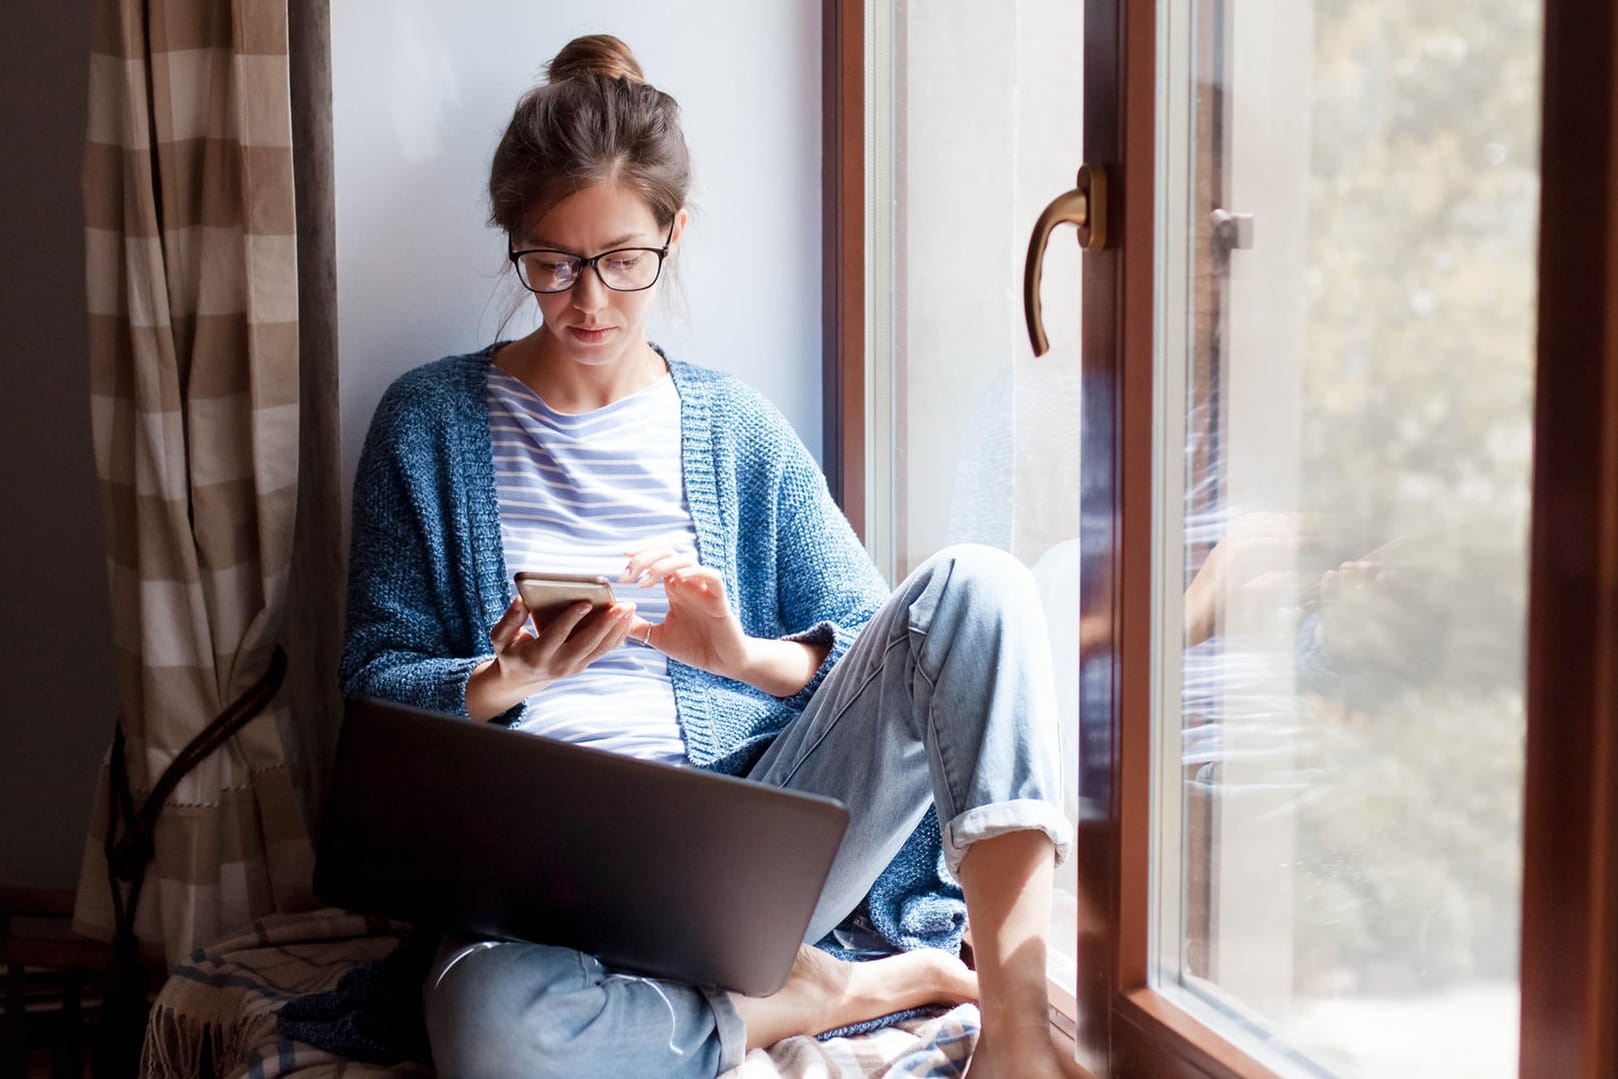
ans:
(216, 1016)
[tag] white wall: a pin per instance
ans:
(422, 92)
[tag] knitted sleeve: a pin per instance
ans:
(828, 586)
(400, 642)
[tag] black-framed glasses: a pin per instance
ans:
(623, 269)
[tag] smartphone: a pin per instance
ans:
(547, 594)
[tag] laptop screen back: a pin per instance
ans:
(662, 870)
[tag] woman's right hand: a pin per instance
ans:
(526, 661)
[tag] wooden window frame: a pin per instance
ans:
(1569, 971)
(1570, 908)
(1570, 858)
(842, 186)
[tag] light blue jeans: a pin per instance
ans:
(945, 699)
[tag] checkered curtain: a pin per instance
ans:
(192, 286)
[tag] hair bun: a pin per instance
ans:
(594, 54)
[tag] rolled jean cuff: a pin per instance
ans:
(728, 1025)
(999, 818)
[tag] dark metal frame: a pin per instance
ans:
(591, 263)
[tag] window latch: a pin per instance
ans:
(1232, 231)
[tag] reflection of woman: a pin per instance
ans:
(772, 648)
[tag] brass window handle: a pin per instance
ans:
(1084, 207)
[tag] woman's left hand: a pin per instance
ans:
(700, 630)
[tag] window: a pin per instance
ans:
(1347, 199)
(1350, 351)
(972, 439)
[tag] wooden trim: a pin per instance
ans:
(1132, 618)
(1570, 871)
(1141, 1050)
(843, 254)
(313, 622)
(1181, 1044)
(1096, 839)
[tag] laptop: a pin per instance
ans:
(652, 868)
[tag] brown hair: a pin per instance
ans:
(594, 120)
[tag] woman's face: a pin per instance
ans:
(590, 323)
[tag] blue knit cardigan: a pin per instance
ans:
(427, 578)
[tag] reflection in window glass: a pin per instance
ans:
(1350, 202)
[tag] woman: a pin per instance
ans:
(763, 641)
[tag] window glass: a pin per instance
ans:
(1348, 205)
(975, 127)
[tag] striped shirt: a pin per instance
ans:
(575, 491)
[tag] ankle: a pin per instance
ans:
(1018, 1022)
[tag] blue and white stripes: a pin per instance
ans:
(575, 491)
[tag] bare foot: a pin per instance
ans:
(1034, 1053)
(823, 992)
